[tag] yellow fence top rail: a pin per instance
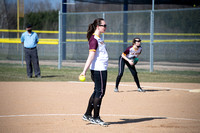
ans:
(56, 41)
(108, 33)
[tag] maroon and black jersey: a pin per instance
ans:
(130, 52)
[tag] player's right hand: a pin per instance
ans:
(131, 62)
(82, 74)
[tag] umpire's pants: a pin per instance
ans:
(31, 57)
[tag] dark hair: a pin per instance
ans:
(28, 26)
(134, 40)
(92, 27)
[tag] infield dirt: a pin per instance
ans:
(57, 107)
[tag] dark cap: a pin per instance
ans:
(28, 26)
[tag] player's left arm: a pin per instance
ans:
(139, 52)
(127, 59)
(36, 38)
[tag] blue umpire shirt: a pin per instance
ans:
(29, 40)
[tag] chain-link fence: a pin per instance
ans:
(176, 36)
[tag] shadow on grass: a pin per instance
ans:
(52, 76)
(127, 121)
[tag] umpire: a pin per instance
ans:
(30, 40)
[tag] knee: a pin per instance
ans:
(120, 74)
(100, 94)
(135, 74)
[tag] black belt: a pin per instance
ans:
(30, 48)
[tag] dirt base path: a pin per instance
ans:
(57, 107)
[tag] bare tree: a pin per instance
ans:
(42, 5)
(3, 15)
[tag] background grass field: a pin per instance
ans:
(15, 72)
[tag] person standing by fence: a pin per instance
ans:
(130, 58)
(30, 40)
(97, 61)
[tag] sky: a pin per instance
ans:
(54, 3)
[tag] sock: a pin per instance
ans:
(90, 106)
(97, 105)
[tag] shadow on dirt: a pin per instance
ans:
(152, 90)
(126, 121)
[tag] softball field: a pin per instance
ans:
(57, 107)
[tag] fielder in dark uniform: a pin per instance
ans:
(30, 40)
(130, 58)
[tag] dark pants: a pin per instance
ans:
(100, 80)
(31, 58)
(122, 63)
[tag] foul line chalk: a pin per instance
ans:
(181, 89)
(195, 90)
(112, 115)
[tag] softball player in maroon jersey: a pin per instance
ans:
(97, 61)
(130, 58)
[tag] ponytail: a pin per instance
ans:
(92, 27)
(90, 31)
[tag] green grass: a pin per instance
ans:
(15, 72)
